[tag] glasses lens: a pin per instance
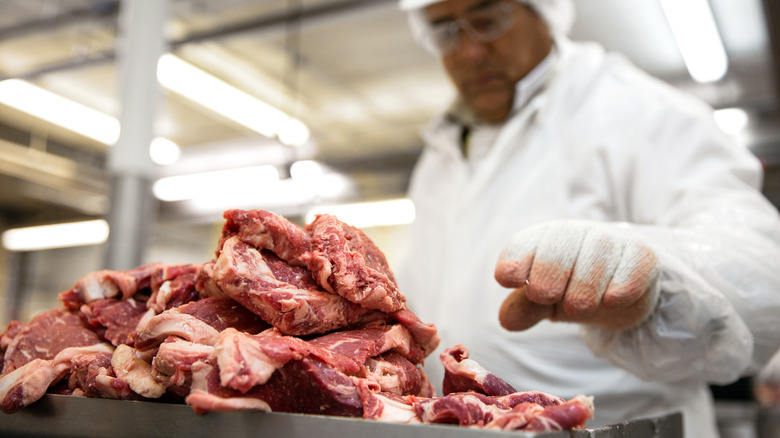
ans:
(489, 23)
(443, 38)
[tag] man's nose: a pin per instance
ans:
(468, 46)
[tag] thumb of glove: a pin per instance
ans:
(517, 312)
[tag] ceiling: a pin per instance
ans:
(348, 69)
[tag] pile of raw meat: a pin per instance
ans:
(283, 319)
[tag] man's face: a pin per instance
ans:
(485, 73)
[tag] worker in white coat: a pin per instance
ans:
(582, 227)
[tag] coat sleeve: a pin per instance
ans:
(694, 196)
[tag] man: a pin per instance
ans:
(634, 257)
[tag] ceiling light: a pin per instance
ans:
(164, 151)
(293, 132)
(306, 170)
(369, 214)
(697, 38)
(282, 195)
(731, 120)
(58, 110)
(215, 94)
(216, 184)
(56, 236)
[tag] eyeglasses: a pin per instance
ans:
(482, 25)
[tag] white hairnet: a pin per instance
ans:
(559, 14)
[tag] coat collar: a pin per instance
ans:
(444, 132)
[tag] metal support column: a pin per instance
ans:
(132, 213)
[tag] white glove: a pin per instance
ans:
(578, 271)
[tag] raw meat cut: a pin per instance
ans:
(91, 375)
(28, 383)
(247, 360)
(345, 261)
(45, 336)
(462, 374)
(265, 230)
(108, 284)
(173, 286)
(474, 409)
(291, 302)
(172, 365)
(111, 319)
(317, 388)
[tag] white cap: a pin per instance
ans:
(559, 14)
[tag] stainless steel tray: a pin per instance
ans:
(66, 416)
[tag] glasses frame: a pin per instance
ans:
(503, 13)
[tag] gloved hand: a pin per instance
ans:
(580, 271)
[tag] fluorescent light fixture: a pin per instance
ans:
(284, 195)
(58, 110)
(370, 214)
(306, 170)
(215, 94)
(697, 37)
(731, 120)
(216, 184)
(164, 151)
(319, 180)
(56, 236)
(293, 132)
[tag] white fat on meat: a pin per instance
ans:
(466, 368)
(34, 377)
(200, 400)
(208, 402)
(107, 387)
(96, 287)
(159, 299)
(208, 288)
(242, 361)
(183, 325)
(175, 357)
(384, 375)
(396, 411)
(136, 372)
(398, 339)
(144, 321)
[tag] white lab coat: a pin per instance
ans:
(606, 142)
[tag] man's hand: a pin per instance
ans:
(579, 271)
